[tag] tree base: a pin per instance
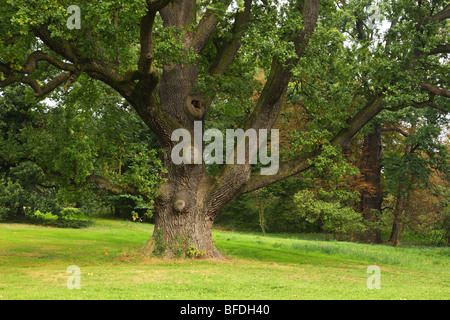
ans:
(150, 248)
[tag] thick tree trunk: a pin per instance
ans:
(187, 205)
(183, 223)
(181, 234)
(184, 212)
(371, 195)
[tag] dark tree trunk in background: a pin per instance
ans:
(396, 225)
(20, 213)
(402, 193)
(371, 193)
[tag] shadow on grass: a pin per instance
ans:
(69, 223)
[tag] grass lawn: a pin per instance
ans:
(34, 262)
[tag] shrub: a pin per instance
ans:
(12, 197)
(342, 222)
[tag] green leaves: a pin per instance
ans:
(12, 196)
(143, 173)
(169, 48)
(334, 218)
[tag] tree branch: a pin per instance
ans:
(440, 16)
(286, 169)
(419, 105)
(359, 27)
(358, 121)
(33, 59)
(29, 67)
(435, 90)
(265, 114)
(395, 129)
(39, 90)
(146, 40)
(269, 103)
(205, 29)
(59, 46)
(442, 48)
(12, 39)
(305, 162)
(229, 50)
(98, 69)
(146, 35)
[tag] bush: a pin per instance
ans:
(435, 234)
(22, 193)
(342, 222)
(12, 197)
(131, 207)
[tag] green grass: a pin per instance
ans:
(34, 260)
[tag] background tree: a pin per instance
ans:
(55, 153)
(416, 164)
(24, 184)
(378, 64)
(371, 193)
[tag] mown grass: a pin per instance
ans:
(34, 261)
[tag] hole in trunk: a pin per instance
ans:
(196, 104)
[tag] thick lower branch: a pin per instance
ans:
(225, 186)
(269, 103)
(287, 169)
(440, 16)
(39, 90)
